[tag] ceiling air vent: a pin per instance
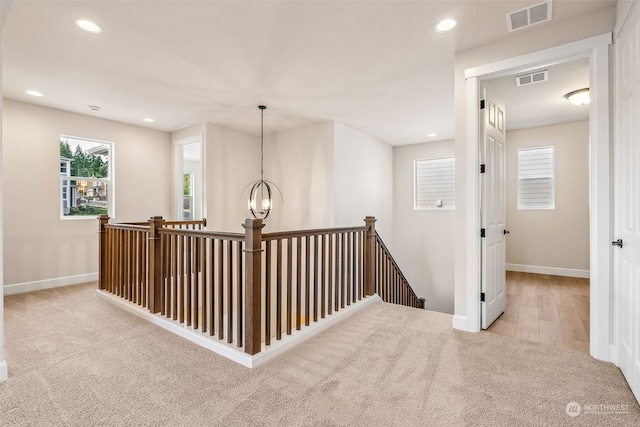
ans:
(537, 77)
(523, 18)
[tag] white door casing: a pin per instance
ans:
(492, 208)
(467, 305)
(627, 202)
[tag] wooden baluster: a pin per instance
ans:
(229, 291)
(181, 268)
(298, 282)
(253, 283)
(336, 275)
(361, 293)
(343, 290)
(315, 278)
(220, 296)
(204, 285)
(279, 289)
(349, 268)
(196, 282)
(166, 274)
(188, 298)
(267, 293)
(119, 264)
(289, 284)
(323, 277)
(212, 288)
(330, 275)
(240, 310)
(174, 274)
(307, 284)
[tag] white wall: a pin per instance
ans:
(301, 163)
(363, 181)
(528, 41)
(39, 245)
(556, 238)
(423, 239)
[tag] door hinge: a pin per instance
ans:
(482, 104)
(482, 168)
(482, 232)
(481, 296)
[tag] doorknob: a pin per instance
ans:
(617, 243)
(506, 231)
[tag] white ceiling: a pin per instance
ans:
(376, 66)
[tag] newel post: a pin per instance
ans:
(103, 220)
(370, 256)
(155, 263)
(253, 285)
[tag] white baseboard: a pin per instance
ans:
(38, 285)
(4, 372)
(460, 322)
(232, 352)
(613, 354)
(552, 271)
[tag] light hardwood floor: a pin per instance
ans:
(550, 310)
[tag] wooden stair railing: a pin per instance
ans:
(247, 289)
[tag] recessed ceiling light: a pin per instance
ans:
(446, 25)
(432, 134)
(34, 93)
(149, 120)
(94, 108)
(88, 26)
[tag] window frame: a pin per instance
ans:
(416, 186)
(551, 178)
(109, 180)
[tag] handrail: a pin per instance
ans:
(200, 233)
(247, 288)
(315, 232)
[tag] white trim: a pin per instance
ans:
(232, 352)
(541, 58)
(552, 271)
(600, 207)
(460, 322)
(39, 285)
(4, 371)
(473, 206)
(613, 354)
(596, 49)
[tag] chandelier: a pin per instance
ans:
(263, 197)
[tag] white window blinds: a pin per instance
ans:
(536, 175)
(435, 183)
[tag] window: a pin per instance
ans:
(536, 178)
(435, 184)
(85, 177)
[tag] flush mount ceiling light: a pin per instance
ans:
(149, 120)
(88, 26)
(34, 93)
(579, 97)
(264, 198)
(446, 25)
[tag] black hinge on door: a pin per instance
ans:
(482, 168)
(482, 232)
(482, 104)
(481, 296)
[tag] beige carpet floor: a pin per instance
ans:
(76, 360)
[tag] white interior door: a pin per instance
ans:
(492, 205)
(627, 206)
